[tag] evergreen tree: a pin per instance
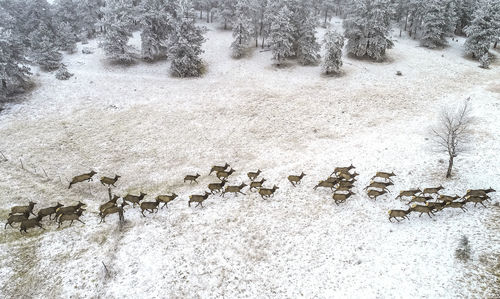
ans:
(66, 11)
(304, 23)
(242, 28)
(47, 55)
(333, 43)
(155, 18)
(281, 35)
(437, 23)
(89, 12)
(228, 12)
(118, 24)
(464, 11)
(367, 28)
(185, 46)
(66, 38)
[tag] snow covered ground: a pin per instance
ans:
(153, 129)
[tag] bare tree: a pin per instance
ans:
(452, 133)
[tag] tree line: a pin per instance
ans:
(34, 32)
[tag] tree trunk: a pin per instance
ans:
(201, 14)
(326, 16)
(495, 45)
(225, 24)
(208, 16)
(109, 193)
(450, 166)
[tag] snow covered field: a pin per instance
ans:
(153, 129)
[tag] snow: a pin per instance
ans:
(153, 129)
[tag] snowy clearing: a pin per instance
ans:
(153, 129)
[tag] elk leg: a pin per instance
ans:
(430, 215)
(241, 192)
(80, 221)
(71, 223)
(142, 212)
(390, 219)
(482, 204)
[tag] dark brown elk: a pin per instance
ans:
(408, 193)
(82, 178)
(384, 175)
(23, 209)
(108, 204)
(432, 190)
(68, 210)
(71, 217)
(346, 184)
(420, 199)
(333, 179)
(253, 175)
(165, 199)
(49, 211)
(399, 213)
(436, 206)
(218, 168)
(340, 198)
(338, 170)
(266, 193)
(217, 187)
(295, 179)
(234, 189)
(198, 199)
(110, 181)
(325, 184)
(447, 198)
(477, 199)
(30, 223)
(479, 192)
(378, 185)
(457, 205)
(422, 209)
(16, 219)
(256, 184)
(373, 194)
(113, 210)
(191, 178)
(134, 199)
(149, 206)
(224, 174)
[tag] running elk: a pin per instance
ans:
(16, 219)
(113, 210)
(225, 174)
(408, 193)
(256, 184)
(422, 209)
(373, 194)
(266, 193)
(198, 199)
(49, 211)
(457, 205)
(69, 210)
(477, 199)
(325, 184)
(165, 199)
(399, 213)
(420, 199)
(134, 199)
(479, 192)
(191, 178)
(82, 178)
(149, 206)
(234, 189)
(340, 198)
(23, 209)
(432, 190)
(295, 179)
(217, 187)
(378, 185)
(109, 204)
(30, 223)
(447, 198)
(109, 181)
(384, 175)
(218, 168)
(338, 170)
(253, 175)
(71, 217)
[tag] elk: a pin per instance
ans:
(256, 184)
(342, 169)
(68, 210)
(295, 179)
(71, 217)
(432, 190)
(457, 205)
(384, 175)
(421, 199)
(218, 168)
(191, 178)
(109, 204)
(477, 199)
(479, 192)
(382, 186)
(217, 187)
(30, 223)
(346, 183)
(447, 198)
(399, 213)
(15, 219)
(333, 180)
(109, 181)
(198, 198)
(234, 189)
(348, 176)
(82, 178)
(149, 206)
(325, 184)
(224, 174)
(264, 192)
(165, 199)
(408, 193)
(49, 211)
(422, 209)
(23, 209)
(373, 194)
(340, 198)
(436, 206)
(253, 175)
(113, 210)
(134, 199)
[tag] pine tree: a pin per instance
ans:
(333, 43)
(66, 11)
(228, 12)
(437, 23)
(304, 23)
(242, 28)
(155, 18)
(66, 38)
(89, 12)
(47, 55)
(367, 28)
(464, 11)
(186, 43)
(281, 35)
(118, 24)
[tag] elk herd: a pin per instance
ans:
(341, 182)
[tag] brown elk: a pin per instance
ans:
(422, 209)
(191, 178)
(342, 169)
(109, 181)
(436, 206)
(217, 187)
(234, 189)
(71, 217)
(256, 184)
(49, 211)
(447, 198)
(325, 184)
(198, 199)
(378, 185)
(16, 219)
(30, 223)
(373, 194)
(134, 199)
(113, 210)
(82, 178)
(333, 180)
(420, 199)
(408, 193)
(295, 179)
(457, 205)
(165, 199)
(399, 213)
(108, 204)
(69, 210)
(266, 193)
(346, 184)
(218, 168)
(340, 198)
(432, 190)
(348, 176)
(253, 175)
(479, 192)
(384, 175)
(224, 174)
(23, 209)
(149, 206)
(477, 199)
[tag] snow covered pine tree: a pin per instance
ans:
(242, 28)
(281, 35)
(333, 43)
(304, 22)
(155, 18)
(437, 23)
